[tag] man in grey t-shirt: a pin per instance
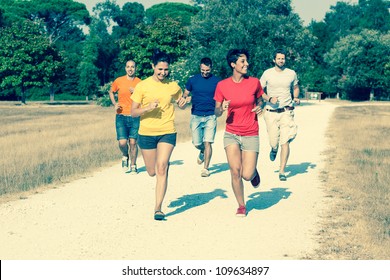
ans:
(279, 82)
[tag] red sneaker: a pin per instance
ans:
(241, 211)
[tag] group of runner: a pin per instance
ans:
(145, 117)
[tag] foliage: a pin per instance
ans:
(104, 99)
(180, 73)
(360, 61)
(178, 11)
(345, 20)
(88, 81)
(165, 34)
(27, 58)
(260, 26)
(127, 19)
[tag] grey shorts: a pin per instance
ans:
(246, 143)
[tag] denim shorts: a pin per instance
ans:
(203, 129)
(246, 143)
(126, 127)
(148, 142)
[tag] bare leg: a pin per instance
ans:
(164, 151)
(123, 146)
(284, 154)
(150, 156)
(249, 163)
(133, 151)
(208, 152)
(233, 154)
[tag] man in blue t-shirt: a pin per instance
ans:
(203, 120)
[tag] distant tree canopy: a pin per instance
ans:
(349, 56)
(27, 58)
(260, 26)
(90, 50)
(178, 11)
(360, 65)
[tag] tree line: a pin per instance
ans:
(58, 49)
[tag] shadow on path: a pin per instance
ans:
(218, 167)
(301, 168)
(189, 201)
(264, 200)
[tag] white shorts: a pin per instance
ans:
(281, 127)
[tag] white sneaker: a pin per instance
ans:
(133, 170)
(205, 173)
(125, 164)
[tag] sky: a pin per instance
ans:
(306, 9)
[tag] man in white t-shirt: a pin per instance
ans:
(282, 90)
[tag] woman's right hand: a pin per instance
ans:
(225, 105)
(153, 105)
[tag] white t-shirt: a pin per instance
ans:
(279, 84)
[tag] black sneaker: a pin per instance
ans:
(272, 154)
(256, 180)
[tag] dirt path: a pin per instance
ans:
(110, 215)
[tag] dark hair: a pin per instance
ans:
(234, 54)
(206, 61)
(279, 50)
(159, 56)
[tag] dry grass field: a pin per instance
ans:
(42, 145)
(357, 180)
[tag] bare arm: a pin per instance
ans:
(113, 101)
(272, 100)
(137, 111)
(296, 95)
(221, 107)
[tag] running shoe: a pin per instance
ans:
(241, 211)
(204, 173)
(200, 158)
(282, 177)
(272, 154)
(133, 170)
(125, 164)
(256, 180)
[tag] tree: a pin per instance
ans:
(128, 18)
(374, 15)
(257, 25)
(165, 34)
(343, 20)
(59, 16)
(88, 80)
(360, 62)
(178, 11)
(27, 58)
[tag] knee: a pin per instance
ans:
(162, 169)
(236, 174)
(133, 145)
(247, 176)
(151, 172)
(122, 143)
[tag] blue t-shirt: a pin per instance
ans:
(202, 92)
